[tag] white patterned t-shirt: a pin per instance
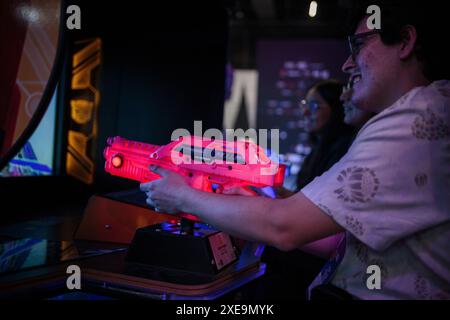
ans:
(391, 192)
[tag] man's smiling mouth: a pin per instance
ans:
(355, 78)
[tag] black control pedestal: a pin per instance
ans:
(186, 247)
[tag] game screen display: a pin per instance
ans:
(36, 157)
(23, 253)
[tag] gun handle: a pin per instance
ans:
(200, 182)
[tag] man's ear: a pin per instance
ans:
(408, 42)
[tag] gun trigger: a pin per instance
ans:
(219, 189)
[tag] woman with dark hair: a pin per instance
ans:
(331, 137)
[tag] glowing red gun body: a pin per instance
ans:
(201, 161)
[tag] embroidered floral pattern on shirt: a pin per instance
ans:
(421, 287)
(429, 126)
(403, 98)
(358, 184)
(354, 225)
(421, 179)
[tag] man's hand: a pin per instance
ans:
(166, 194)
(241, 191)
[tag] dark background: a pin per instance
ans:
(163, 66)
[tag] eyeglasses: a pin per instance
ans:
(312, 105)
(357, 41)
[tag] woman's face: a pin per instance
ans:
(316, 111)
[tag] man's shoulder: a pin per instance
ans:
(433, 96)
(430, 107)
(442, 87)
(422, 108)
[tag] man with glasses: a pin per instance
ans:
(390, 193)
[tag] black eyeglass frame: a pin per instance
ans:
(352, 38)
(312, 106)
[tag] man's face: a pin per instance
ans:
(373, 71)
(352, 115)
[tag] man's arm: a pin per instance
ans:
(284, 223)
(323, 248)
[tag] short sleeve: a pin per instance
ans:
(395, 179)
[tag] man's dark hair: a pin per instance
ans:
(428, 18)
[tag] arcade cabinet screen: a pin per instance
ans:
(36, 156)
(287, 69)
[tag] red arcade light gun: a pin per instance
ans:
(203, 162)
